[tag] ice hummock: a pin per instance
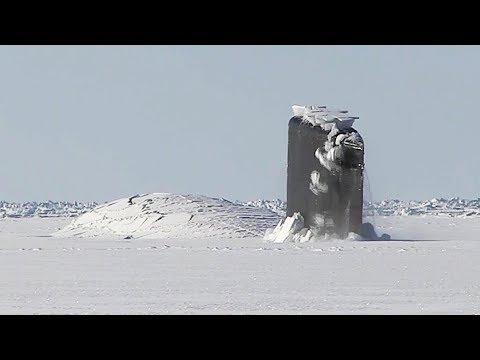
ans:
(453, 207)
(165, 215)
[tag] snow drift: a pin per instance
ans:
(165, 215)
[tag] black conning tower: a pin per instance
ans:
(336, 208)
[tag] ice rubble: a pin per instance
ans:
(278, 206)
(165, 215)
(452, 207)
(324, 117)
(291, 229)
(44, 209)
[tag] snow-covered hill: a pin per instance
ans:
(164, 215)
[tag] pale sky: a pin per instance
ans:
(95, 123)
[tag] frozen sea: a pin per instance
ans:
(431, 266)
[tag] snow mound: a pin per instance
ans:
(165, 215)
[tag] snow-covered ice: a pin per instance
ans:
(430, 266)
(437, 206)
(44, 209)
(288, 229)
(164, 215)
(324, 116)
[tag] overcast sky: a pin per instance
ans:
(102, 122)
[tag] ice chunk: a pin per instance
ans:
(316, 186)
(302, 236)
(286, 229)
(340, 138)
(327, 164)
(324, 117)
